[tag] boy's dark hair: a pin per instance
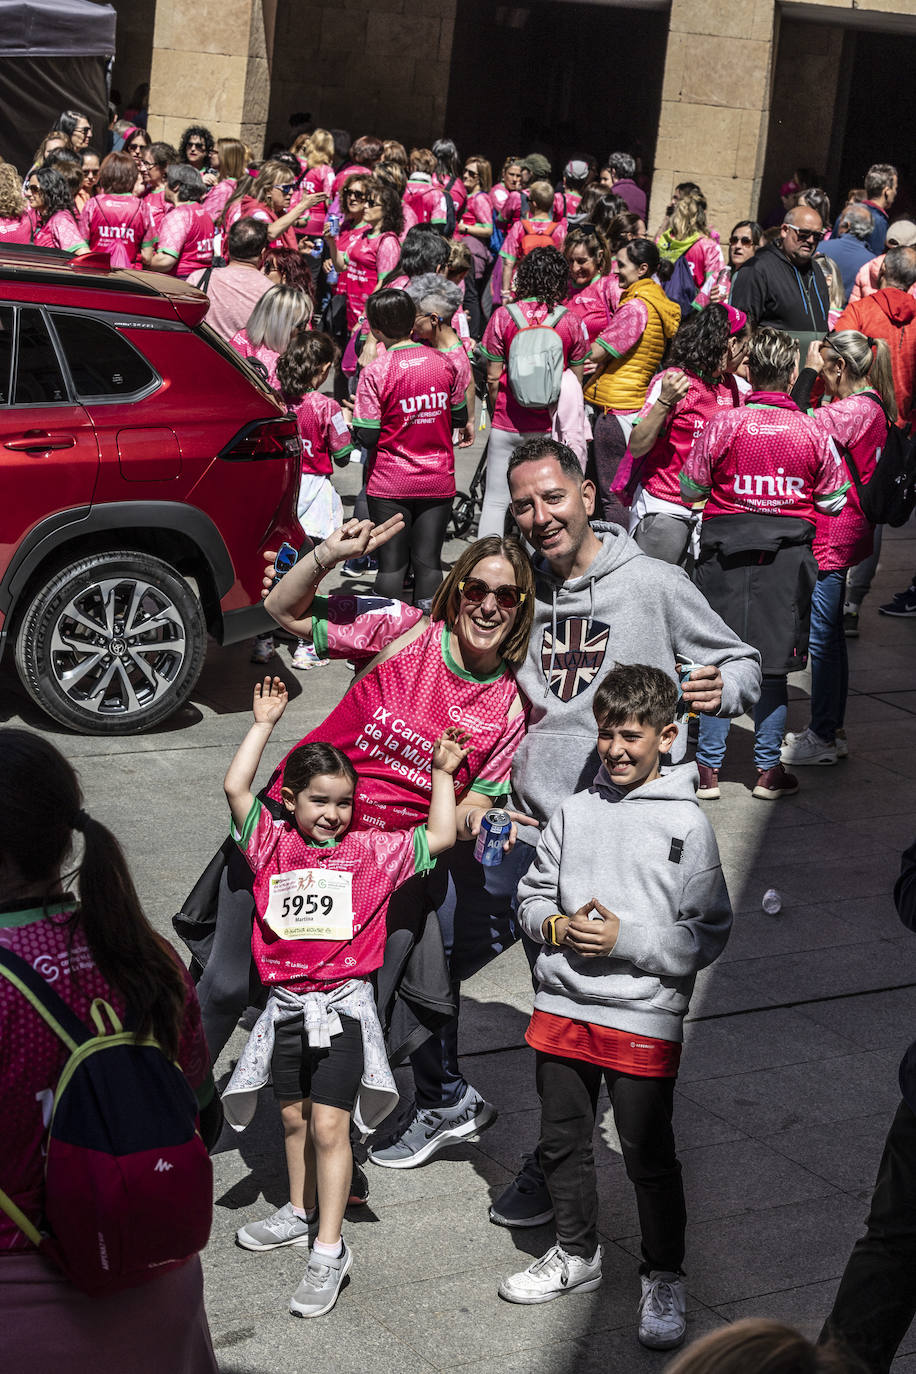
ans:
(298, 368)
(634, 690)
(542, 446)
(311, 761)
(392, 312)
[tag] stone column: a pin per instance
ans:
(715, 106)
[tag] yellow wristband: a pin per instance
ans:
(552, 928)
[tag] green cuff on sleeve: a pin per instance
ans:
(607, 348)
(242, 836)
(489, 787)
(319, 609)
(422, 859)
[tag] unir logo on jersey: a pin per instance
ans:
(577, 653)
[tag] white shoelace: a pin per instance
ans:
(555, 1257)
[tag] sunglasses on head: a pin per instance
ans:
(476, 591)
(740, 238)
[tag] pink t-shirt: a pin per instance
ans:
(60, 231)
(625, 329)
(478, 210)
(109, 218)
(764, 458)
(500, 332)
(378, 862)
(16, 230)
(410, 219)
(157, 205)
(595, 303)
(425, 200)
(186, 234)
(243, 345)
(218, 197)
(390, 717)
(234, 291)
(457, 192)
(457, 358)
(507, 205)
(566, 203)
(317, 180)
(553, 232)
(323, 430)
(660, 469)
(32, 1056)
(408, 396)
(369, 259)
(859, 423)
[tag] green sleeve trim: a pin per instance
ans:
(149, 243)
(692, 489)
(373, 425)
(342, 452)
(167, 252)
(242, 836)
(206, 1092)
(319, 609)
(490, 788)
(607, 348)
(494, 357)
(831, 495)
(422, 859)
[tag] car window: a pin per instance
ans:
(6, 353)
(101, 361)
(38, 375)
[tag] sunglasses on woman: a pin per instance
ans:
(371, 201)
(287, 188)
(476, 591)
(740, 238)
(196, 143)
(354, 195)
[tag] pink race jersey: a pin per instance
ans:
(553, 232)
(16, 228)
(507, 205)
(32, 1056)
(410, 221)
(157, 206)
(317, 181)
(660, 469)
(596, 303)
(478, 211)
(323, 430)
(391, 716)
(108, 219)
(407, 397)
(186, 235)
(60, 231)
(859, 423)
(218, 197)
(376, 862)
(369, 258)
(765, 458)
(500, 332)
(243, 345)
(425, 200)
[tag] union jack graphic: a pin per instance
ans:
(577, 653)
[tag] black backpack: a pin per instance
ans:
(889, 497)
(451, 216)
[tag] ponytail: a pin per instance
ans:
(881, 376)
(867, 359)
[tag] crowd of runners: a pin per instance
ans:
(682, 505)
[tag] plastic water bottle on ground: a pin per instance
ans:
(772, 902)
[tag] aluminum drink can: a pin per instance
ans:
(332, 224)
(494, 831)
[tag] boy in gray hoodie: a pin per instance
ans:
(627, 898)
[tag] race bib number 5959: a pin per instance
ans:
(311, 904)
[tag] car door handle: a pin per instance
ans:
(40, 441)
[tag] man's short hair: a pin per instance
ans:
(622, 165)
(247, 239)
(542, 446)
(900, 268)
(859, 220)
(391, 312)
(635, 691)
(878, 176)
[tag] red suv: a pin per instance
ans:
(144, 467)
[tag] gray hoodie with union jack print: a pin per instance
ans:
(627, 608)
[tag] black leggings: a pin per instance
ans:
(419, 544)
(610, 446)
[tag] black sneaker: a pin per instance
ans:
(903, 604)
(526, 1201)
(360, 567)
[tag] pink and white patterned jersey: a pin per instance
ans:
(32, 1056)
(859, 423)
(553, 231)
(595, 303)
(410, 221)
(407, 397)
(16, 228)
(60, 231)
(157, 207)
(243, 345)
(478, 210)
(369, 257)
(323, 430)
(507, 205)
(705, 263)
(500, 332)
(660, 469)
(625, 329)
(379, 861)
(764, 458)
(110, 218)
(186, 234)
(566, 203)
(391, 716)
(317, 181)
(218, 197)
(425, 200)
(457, 358)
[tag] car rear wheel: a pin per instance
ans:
(113, 644)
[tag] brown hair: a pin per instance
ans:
(423, 160)
(313, 760)
(484, 171)
(391, 174)
(233, 157)
(301, 366)
(540, 194)
(448, 597)
(764, 1347)
(635, 691)
(12, 202)
(393, 151)
(594, 243)
(118, 174)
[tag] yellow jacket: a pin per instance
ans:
(624, 382)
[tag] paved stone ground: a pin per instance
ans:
(787, 1086)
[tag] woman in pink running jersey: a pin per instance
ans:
(186, 233)
(276, 319)
(154, 168)
(594, 288)
(231, 161)
(90, 162)
(269, 198)
(54, 220)
(505, 195)
(116, 221)
(373, 248)
(475, 223)
(15, 220)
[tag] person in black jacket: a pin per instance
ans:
(782, 286)
(876, 1299)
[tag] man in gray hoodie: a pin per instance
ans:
(599, 600)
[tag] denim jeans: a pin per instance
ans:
(829, 660)
(476, 910)
(769, 727)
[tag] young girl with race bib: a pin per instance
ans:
(319, 934)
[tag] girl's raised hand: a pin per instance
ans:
(269, 701)
(451, 749)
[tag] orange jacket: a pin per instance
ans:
(890, 314)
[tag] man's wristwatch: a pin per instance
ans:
(552, 928)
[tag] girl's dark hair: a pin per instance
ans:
(423, 250)
(291, 265)
(448, 163)
(542, 275)
(40, 807)
(161, 154)
(621, 227)
(70, 168)
(313, 761)
(701, 341)
(299, 368)
(641, 251)
(635, 690)
(605, 210)
(54, 191)
(392, 210)
(69, 120)
(118, 174)
(392, 312)
(195, 131)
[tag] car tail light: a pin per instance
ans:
(278, 438)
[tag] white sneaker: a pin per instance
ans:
(305, 657)
(552, 1276)
(281, 1228)
(807, 747)
(662, 1311)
